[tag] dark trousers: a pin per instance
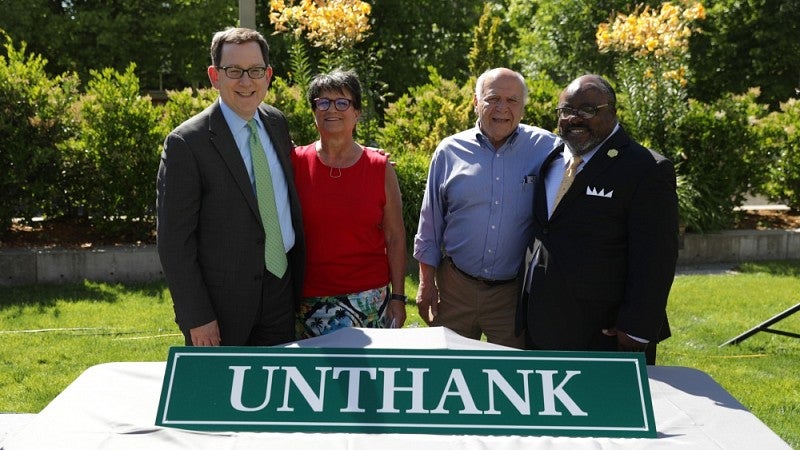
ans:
(272, 323)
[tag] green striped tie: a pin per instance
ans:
(274, 253)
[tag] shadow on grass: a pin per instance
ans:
(788, 268)
(44, 295)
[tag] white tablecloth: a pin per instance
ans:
(113, 406)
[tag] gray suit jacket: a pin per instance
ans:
(210, 237)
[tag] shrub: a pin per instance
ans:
(417, 121)
(542, 102)
(34, 118)
(291, 100)
(112, 164)
(181, 105)
(779, 135)
(717, 152)
(412, 174)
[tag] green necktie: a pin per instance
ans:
(274, 253)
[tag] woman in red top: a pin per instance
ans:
(352, 219)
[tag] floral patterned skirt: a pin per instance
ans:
(323, 315)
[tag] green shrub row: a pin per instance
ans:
(93, 153)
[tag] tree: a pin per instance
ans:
(557, 36)
(748, 43)
(409, 36)
(489, 48)
(167, 40)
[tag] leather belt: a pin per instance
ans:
(482, 280)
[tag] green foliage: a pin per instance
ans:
(412, 174)
(412, 35)
(745, 44)
(291, 99)
(111, 165)
(557, 37)
(33, 119)
(779, 137)
(717, 153)
(489, 49)
(542, 102)
(656, 105)
(183, 104)
(168, 40)
(300, 67)
(417, 121)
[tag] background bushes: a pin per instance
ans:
(34, 119)
(94, 155)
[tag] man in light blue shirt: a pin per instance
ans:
(476, 215)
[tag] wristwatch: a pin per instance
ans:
(399, 298)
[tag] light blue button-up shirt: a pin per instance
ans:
(478, 202)
(241, 134)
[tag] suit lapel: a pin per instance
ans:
(222, 139)
(601, 160)
(540, 192)
(281, 146)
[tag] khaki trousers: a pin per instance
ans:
(471, 307)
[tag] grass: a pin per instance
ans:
(51, 334)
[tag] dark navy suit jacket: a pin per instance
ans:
(607, 255)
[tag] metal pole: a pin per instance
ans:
(247, 14)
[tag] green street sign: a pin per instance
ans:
(485, 392)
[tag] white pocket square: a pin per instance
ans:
(601, 193)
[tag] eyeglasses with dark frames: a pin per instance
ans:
(324, 104)
(584, 112)
(235, 73)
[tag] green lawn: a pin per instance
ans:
(51, 334)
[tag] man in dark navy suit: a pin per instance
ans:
(603, 255)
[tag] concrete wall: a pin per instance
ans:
(739, 246)
(140, 263)
(111, 264)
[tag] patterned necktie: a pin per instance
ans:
(569, 177)
(274, 253)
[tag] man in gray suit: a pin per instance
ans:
(211, 238)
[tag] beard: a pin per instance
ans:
(582, 147)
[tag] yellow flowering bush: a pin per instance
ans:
(334, 27)
(331, 24)
(652, 45)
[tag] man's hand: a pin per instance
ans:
(427, 293)
(428, 302)
(206, 335)
(625, 343)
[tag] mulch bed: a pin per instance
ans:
(64, 233)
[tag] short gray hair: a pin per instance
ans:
(491, 72)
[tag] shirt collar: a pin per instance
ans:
(234, 121)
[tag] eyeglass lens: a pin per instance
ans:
(237, 72)
(585, 112)
(341, 104)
